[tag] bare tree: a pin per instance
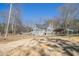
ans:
(54, 22)
(4, 18)
(68, 12)
(12, 22)
(6, 33)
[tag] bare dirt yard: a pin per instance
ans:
(28, 45)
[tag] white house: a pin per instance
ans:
(40, 30)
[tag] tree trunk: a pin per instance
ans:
(6, 33)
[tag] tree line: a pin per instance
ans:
(15, 24)
(68, 19)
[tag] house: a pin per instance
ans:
(40, 30)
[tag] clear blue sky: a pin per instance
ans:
(33, 12)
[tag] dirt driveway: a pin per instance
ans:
(40, 46)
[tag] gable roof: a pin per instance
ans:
(44, 26)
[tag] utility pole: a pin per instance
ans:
(6, 31)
